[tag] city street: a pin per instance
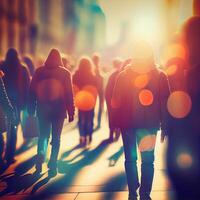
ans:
(95, 172)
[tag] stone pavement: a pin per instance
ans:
(95, 172)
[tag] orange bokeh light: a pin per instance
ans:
(184, 160)
(91, 89)
(146, 97)
(171, 70)
(85, 101)
(141, 81)
(147, 143)
(49, 90)
(179, 104)
(75, 89)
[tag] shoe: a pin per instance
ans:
(82, 141)
(52, 172)
(90, 139)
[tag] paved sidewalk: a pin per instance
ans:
(95, 172)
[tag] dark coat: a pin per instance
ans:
(112, 112)
(17, 83)
(51, 91)
(131, 113)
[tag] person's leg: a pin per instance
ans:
(146, 141)
(81, 126)
(11, 143)
(57, 126)
(129, 143)
(44, 129)
(90, 124)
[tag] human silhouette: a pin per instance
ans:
(88, 88)
(112, 112)
(16, 80)
(183, 158)
(51, 90)
(96, 61)
(6, 109)
(140, 94)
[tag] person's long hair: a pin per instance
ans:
(85, 70)
(85, 66)
(54, 59)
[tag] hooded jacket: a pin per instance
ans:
(51, 90)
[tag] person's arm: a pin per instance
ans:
(101, 100)
(31, 105)
(70, 98)
(4, 101)
(117, 92)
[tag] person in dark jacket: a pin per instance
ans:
(88, 88)
(51, 91)
(112, 113)
(183, 157)
(16, 80)
(6, 109)
(30, 65)
(96, 61)
(140, 95)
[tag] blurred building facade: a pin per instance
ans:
(34, 26)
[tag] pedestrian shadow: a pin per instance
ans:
(18, 180)
(70, 170)
(115, 157)
(67, 153)
(19, 183)
(26, 146)
(113, 185)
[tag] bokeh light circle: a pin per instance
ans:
(141, 81)
(84, 100)
(179, 104)
(184, 160)
(49, 90)
(171, 70)
(147, 143)
(146, 97)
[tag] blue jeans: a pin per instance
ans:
(145, 139)
(46, 127)
(85, 122)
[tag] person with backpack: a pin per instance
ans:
(140, 95)
(16, 80)
(51, 97)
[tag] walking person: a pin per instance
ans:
(88, 88)
(140, 95)
(100, 79)
(112, 112)
(51, 91)
(16, 80)
(183, 158)
(6, 110)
